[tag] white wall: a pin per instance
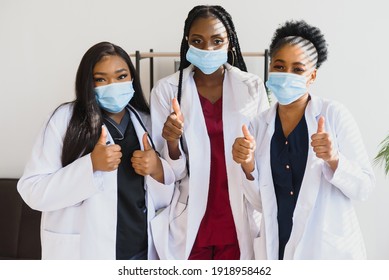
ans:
(42, 42)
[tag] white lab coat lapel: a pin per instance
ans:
(101, 219)
(269, 202)
(140, 131)
(310, 184)
(197, 142)
(108, 215)
(236, 95)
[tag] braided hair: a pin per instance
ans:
(235, 57)
(308, 37)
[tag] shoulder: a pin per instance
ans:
(173, 79)
(328, 106)
(62, 114)
(57, 122)
(337, 115)
(166, 81)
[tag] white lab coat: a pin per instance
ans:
(244, 96)
(325, 225)
(79, 206)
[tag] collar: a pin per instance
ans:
(314, 107)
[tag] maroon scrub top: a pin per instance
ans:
(217, 226)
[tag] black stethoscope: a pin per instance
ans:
(143, 126)
(136, 114)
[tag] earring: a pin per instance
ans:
(233, 55)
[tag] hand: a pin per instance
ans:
(173, 130)
(105, 158)
(174, 125)
(243, 151)
(147, 162)
(322, 145)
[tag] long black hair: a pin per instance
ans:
(235, 57)
(85, 124)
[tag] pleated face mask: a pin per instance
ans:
(287, 87)
(207, 61)
(115, 96)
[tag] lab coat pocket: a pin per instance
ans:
(169, 227)
(60, 246)
(347, 247)
(178, 227)
(169, 231)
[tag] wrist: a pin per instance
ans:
(248, 168)
(174, 149)
(158, 173)
(333, 162)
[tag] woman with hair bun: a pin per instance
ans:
(309, 162)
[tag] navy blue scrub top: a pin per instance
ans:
(131, 231)
(288, 156)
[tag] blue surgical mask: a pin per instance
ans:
(207, 61)
(287, 87)
(115, 96)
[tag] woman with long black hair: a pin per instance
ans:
(93, 172)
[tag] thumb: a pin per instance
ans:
(320, 125)
(246, 133)
(103, 136)
(146, 144)
(176, 107)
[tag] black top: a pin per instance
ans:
(131, 235)
(288, 158)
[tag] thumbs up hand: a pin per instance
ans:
(147, 162)
(243, 150)
(104, 157)
(322, 145)
(173, 130)
(174, 125)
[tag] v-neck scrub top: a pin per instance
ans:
(288, 160)
(217, 226)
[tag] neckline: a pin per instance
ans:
(204, 99)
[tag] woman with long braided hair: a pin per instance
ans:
(196, 114)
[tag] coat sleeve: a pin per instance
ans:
(45, 184)
(354, 175)
(161, 194)
(160, 108)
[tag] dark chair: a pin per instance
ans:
(19, 225)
